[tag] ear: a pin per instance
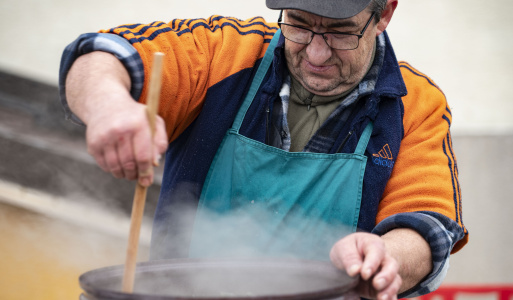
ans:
(386, 16)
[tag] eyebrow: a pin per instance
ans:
(338, 23)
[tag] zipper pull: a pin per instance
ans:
(267, 131)
(308, 101)
(344, 141)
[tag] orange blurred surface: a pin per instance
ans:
(42, 258)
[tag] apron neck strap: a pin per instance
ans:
(257, 80)
(364, 139)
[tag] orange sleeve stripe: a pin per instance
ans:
(199, 54)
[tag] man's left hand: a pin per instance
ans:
(388, 264)
(365, 254)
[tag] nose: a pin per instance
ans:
(318, 50)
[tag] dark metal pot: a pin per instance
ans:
(186, 279)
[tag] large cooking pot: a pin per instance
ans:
(186, 279)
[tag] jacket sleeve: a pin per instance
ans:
(425, 175)
(198, 54)
(423, 192)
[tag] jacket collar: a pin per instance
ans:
(390, 81)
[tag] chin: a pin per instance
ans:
(324, 88)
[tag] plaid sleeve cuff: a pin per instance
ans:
(105, 42)
(440, 232)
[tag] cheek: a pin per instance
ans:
(352, 59)
(347, 59)
(292, 52)
(366, 47)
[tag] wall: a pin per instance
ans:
(463, 45)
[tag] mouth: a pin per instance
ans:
(317, 69)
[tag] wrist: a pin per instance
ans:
(412, 253)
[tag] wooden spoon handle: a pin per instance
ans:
(140, 191)
(133, 238)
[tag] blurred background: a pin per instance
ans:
(60, 216)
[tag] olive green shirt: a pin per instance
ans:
(307, 112)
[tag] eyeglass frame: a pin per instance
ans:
(359, 36)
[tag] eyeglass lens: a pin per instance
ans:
(305, 36)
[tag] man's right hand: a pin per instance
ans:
(118, 133)
(121, 142)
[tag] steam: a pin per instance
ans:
(249, 234)
(255, 229)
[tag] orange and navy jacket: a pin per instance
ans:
(411, 178)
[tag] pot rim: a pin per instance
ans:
(87, 279)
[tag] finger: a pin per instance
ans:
(156, 157)
(96, 152)
(374, 253)
(143, 153)
(100, 159)
(387, 273)
(112, 161)
(160, 140)
(391, 291)
(345, 255)
(126, 157)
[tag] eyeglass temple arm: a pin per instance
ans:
(368, 23)
(280, 17)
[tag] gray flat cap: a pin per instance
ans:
(335, 9)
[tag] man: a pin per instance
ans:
(318, 124)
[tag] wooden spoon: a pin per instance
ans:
(140, 191)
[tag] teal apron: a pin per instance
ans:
(259, 200)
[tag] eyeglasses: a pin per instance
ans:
(336, 40)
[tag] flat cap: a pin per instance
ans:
(335, 9)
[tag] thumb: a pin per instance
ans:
(160, 140)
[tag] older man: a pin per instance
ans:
(309, 127)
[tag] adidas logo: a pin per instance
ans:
(383, 157)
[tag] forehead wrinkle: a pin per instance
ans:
(306, 18)
(297, 15)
